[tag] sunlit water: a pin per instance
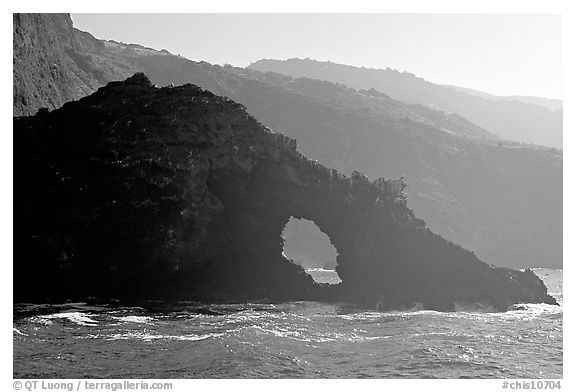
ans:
(321, 275)
(288, 340)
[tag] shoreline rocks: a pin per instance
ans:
(175, 193)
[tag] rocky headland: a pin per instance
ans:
(140, 192)
(500, 199)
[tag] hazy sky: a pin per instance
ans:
(504, 54)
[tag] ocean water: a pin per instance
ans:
(322, 275)
(287, 340)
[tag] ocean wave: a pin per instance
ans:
(75, 317)
(474, 307)
(17, 331)
(415, 343)
(134, 319)
(303, 335)
(148, 337)
(416, 310)
(531, 311)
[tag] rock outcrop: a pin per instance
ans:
(145, 192)
(499, 199)
(55, 63)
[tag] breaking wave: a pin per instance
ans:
(293, 340)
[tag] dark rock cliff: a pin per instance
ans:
(41, 77)
(55, 63)
(500, 199)
(145, 192)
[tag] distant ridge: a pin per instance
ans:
(521, 119)
(550, 103)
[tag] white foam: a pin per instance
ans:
(75, 317)
(15, 330)
(530, 311)
(418, 307)
(150, 337)
(474, 307)
(135, 319)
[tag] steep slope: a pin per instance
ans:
(501, 200)
(177, 193)
(510, 119)
(55, 63)
(90, 63)
(371, 102)
(42, 76)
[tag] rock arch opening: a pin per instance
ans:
(308, 246)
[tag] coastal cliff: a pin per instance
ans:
(139, 192)
(54, 63)
(499, 199)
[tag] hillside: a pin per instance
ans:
(550, 103)
(502, 200)
(55, 63)
(512, 119)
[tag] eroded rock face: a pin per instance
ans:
(141, 192)
(55, 63)
(464, 190)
